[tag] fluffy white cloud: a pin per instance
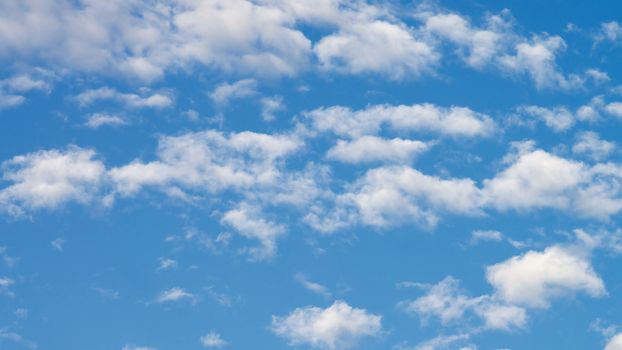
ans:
(614, 108)
(534, 278)
(386, 196)
(98, 120)
(208, 161)
(557, 118)
(482, 45)
(157, 100)
(225, 92)
(446, 301)
(376, 46)
(339, 326)
(48, 179)
(144, 39)
(213, 340)
(269, 107)
(590, 144)
(537, 179)
(615, 343)
(453, 121)
(373, 149)
(536, 58)
(248, 222)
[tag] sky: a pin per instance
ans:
(328, 174)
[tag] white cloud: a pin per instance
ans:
(386, 196)
(449, 304)
(247, 220)
(213, 340)
(557, 118)
(10, 101)
(485, 235)
(269, 107)
(144, 100)
(173, 294)
(134, 347)
(482, 44)
(167, 264)
(611, 31)
(339, 326)
(98, 120)
(372, 149)
(615, 343)
(58, 244)
(48, 179)
(614, 108)
(536, 58)
(208, 161)
(453, 121)
(311, 286)
(144, 40)
(226, 92)
(375, 46)
(590, 144)
(537, 179)
(534, 278)
(441, 342)
(597, 75)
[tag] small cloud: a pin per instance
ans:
(225, 92)
(98, 120)
(172, 295)
(167, 264)
(107, 293)
(478, 236)
(58, 244)
(212, 340)
(312, 286)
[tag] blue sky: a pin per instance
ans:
(331, 174)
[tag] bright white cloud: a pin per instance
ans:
(208, 160)
(534, 278)
(375, 46)
(614, 108)
(615, 343)
(453, 121)
(49, 179)
(98, 120)
(373, 149)
(338, 326)
(536, 58)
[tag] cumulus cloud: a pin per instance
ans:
(223, 93)
(375, 149)
(248, 222)
(207, 160)
(49, 179)
(590, 144)
(452, 121)
(558, 118)
(536, 58)
(375, 46)
(338, 326)
(447, 302)
(615, 343)
(534, 278)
